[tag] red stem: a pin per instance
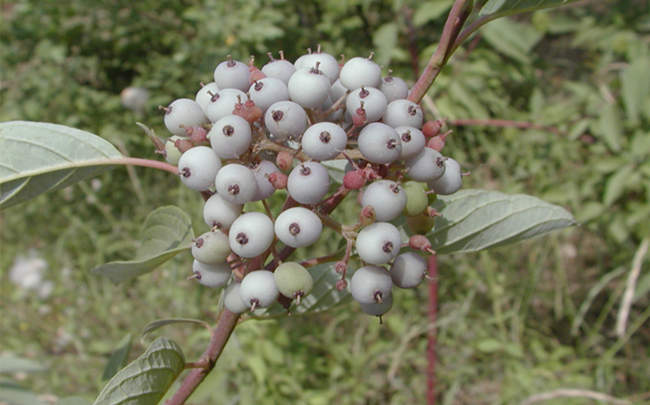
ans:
(431, 344)
(154, 164)
(457, 16)
(220, 334)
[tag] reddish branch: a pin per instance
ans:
(220, 334)
(455, 21)
(431, 344)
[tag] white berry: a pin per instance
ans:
(403, 113)
(285, 119)
(324, 140)
(183, 113)
(267, 91)
(378, 243)
(298, 227)
(258, 289)
(373, 101)
(197, 167)
(450, 181)
(211, 275)
(370, 284)
(408, 270)
(358, 72)
(308, 182)
(232, 74)
(251, 234)
(232, 299)
(426, 166)
(379, 143)
(386, 197)
(220, 213)
(236, 183)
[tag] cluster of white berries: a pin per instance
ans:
(253, 131)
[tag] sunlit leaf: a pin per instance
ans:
(37, 157)
(472, 220)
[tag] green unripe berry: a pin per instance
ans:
(293, 280)
(420, 224)
(172, 154)
(416, 198)
(211, 248)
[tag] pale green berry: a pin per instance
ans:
(416, 198)
(293, 280)
(212, 247)
(172, 154)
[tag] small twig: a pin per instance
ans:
(318, 260)
(573, 393)
(330, 222)
(628, 295)
(276, 147)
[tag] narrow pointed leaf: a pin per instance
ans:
(323, 296)
(37, 157)
(146, 380)
(118, 358)
(473, 220)
(509, 7)
(166, 232)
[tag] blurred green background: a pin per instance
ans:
(514, 321)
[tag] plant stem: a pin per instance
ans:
(457, 16)
(432, 266)
(154, 164)
(220, 335)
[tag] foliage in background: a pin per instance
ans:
(513, 324)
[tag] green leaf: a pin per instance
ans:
(336, 169)
(472, 220)
(37, 157)
(323, 296)
(146, 380)
(609, 127)
(512, 38)
(385, 41)
(635, 87)
(430, 10)
(118, 358)
(11, 364)
(166, 232)
(616, 184)
(509, 7)
(151, 326)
